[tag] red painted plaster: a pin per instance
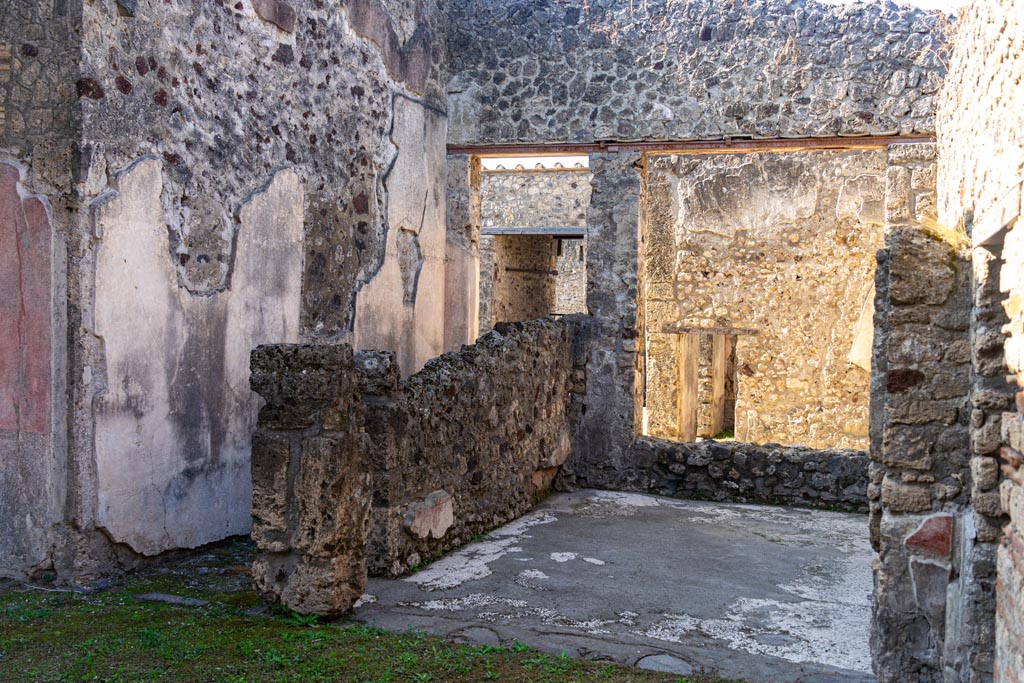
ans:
(25, 308)
(935, 535)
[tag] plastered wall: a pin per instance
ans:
(233, 174)
(979, 194)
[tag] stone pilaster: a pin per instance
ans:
(311, 478)
(608, 416)
(919, 423)
(462, 252)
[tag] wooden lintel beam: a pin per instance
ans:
(569, 232)
(730, 146)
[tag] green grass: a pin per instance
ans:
(725, 435)
(108, 636)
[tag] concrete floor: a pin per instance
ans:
(750, 592)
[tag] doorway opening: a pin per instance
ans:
(533, 216)
(757, 277)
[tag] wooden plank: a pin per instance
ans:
(721, 346)
(561, 231)
(726, 146)
(676, 329)
(687, 357)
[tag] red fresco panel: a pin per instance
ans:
(25, 332)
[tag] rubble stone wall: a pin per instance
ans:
(657, 70)
(355, 469)
(311, 475)
(607, 389)
(751, 473)
(981, 171)
(782, 245)
(571, 281)
(468, 443)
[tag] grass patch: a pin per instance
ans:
(725, 435)
(109, 636)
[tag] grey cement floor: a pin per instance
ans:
(751, 592)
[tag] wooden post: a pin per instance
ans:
(721, 347)
(687, 356)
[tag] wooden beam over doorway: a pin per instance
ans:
(730, 146)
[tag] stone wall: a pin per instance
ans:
(462, 300)
(524, 277)
(920, 426)
(354, 468)
(779, 246)
(571, 281)
(535, 199)
(750, 473)
(469, 442)
(981, 171)
(662, 69)
(224, 175)
(608, 383)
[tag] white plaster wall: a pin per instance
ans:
(174, 424)
(385, 318)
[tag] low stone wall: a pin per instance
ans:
(355, 470)
(470, 442)
(751, 473)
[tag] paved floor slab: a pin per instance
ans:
(753, 592)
